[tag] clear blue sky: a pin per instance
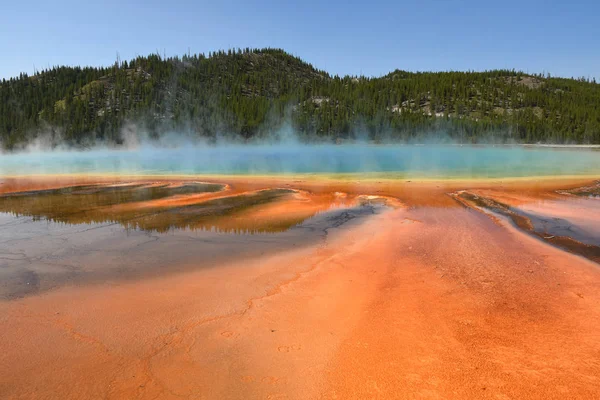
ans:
(342, 37)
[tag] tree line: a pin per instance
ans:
(250, 93)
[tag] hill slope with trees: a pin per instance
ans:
(247, 94)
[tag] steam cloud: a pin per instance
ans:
(284, 152)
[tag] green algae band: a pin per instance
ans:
(104, 203)
(92, 203)
(209, 214)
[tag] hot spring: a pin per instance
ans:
(402, 161)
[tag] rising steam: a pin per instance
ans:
(285, 152)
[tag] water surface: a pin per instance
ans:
(407, 161)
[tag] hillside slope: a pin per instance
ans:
(252, 93)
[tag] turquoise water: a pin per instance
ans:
(415, 161)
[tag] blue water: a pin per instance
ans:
(415, 161)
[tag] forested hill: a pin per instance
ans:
(253, 93)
